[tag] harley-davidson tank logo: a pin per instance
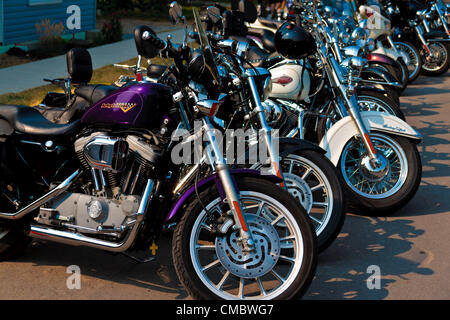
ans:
(124, 106)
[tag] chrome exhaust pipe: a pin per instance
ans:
(77, 239)
(39, 202)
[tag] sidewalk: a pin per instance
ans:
(30, 75)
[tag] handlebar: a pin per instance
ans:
(153, 39)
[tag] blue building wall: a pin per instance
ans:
(20, 18)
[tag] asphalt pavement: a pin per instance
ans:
(410, 249)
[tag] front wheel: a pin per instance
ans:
(214, 266)
(384, 189)
(411, 57)
(375, 101)
(312, 179)
(439, 63)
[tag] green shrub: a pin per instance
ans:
(108, 6)
(112, 29)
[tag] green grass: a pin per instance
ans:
(104, 75)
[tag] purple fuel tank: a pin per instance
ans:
(137, 106)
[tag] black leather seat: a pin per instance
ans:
(270, 23)
(267, 37)
(93, 93)
(30, 121)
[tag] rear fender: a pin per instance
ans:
(344, 130)
(214, 179)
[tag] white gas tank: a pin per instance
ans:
(286, 81)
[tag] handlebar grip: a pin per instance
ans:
(157, 42)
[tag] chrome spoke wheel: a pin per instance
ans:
(368, 103)
(410, 57)
(439, 58)
(371, 182)
(229, 271)
(310, 186)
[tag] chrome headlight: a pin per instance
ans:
(353, 51)
(359, 34)
(272, 111)
(354, 63)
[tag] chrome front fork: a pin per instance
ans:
(353, 109)
(352, 102)
(266, 131)
(391, 43)
(215, 155)
(419, 32)
(443, 20)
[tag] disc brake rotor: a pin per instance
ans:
(252, 264)
(299, 189)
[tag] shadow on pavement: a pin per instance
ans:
(343, 268)
(158, 276)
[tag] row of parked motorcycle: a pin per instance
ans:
(99, 165)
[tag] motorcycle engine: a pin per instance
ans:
(117, 170)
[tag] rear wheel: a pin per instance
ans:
(214, 266)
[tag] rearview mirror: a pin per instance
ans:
(175, 12)
(213, 14)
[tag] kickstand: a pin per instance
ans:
(138, 259)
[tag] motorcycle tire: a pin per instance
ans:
(361, 192)
(443, 66)
(413, 59)
(205, 280)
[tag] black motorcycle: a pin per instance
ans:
(112, 181)
(410, 21)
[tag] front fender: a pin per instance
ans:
(386, 76)
(387, 52)
(436, 36)
(380, 58)
(291, 145)
(214, 179)
(345, 129)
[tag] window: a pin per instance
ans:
(39, 2)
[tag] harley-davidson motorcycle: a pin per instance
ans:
(381, 71)
(108, 181)
(422, 25)
(307, 174)
(375, 152)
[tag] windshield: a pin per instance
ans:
(205, 46)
